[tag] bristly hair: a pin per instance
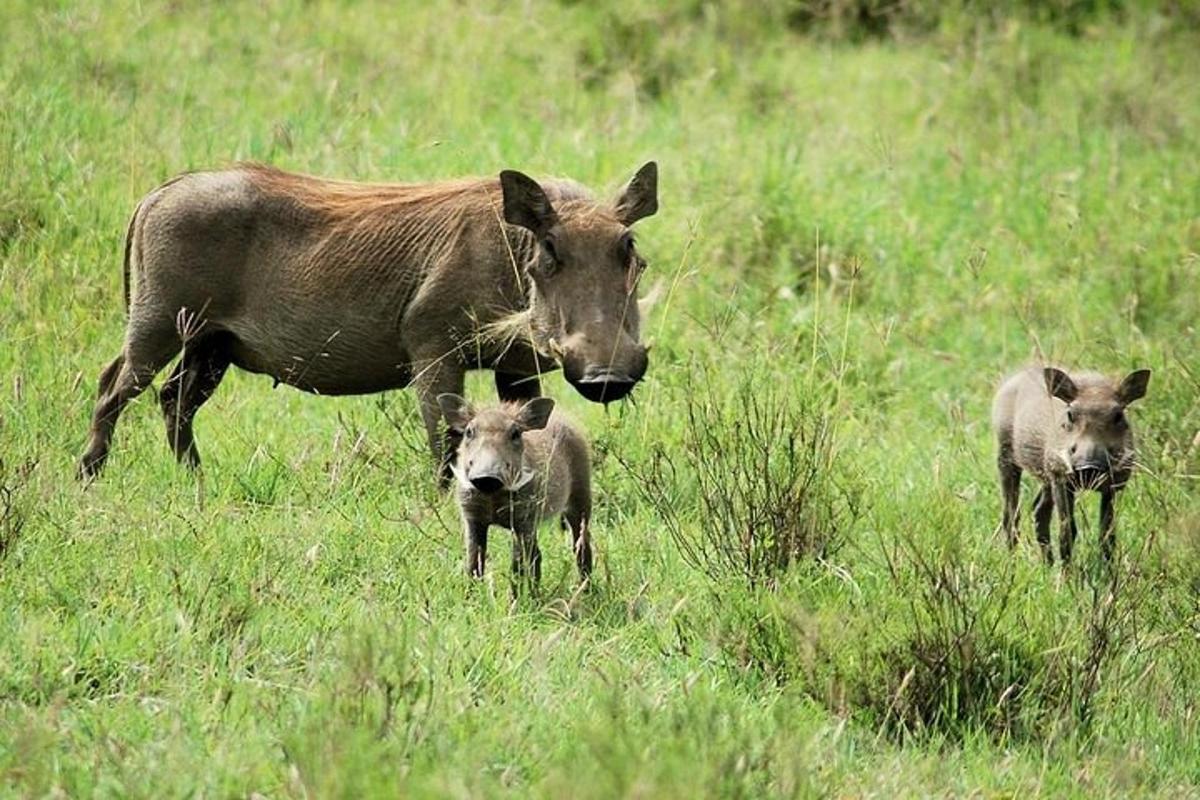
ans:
(348, 197)
(513, 328)
(354, 204)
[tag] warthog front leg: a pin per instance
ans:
(514, 388)
(431, 378)
(1043, 509)
(475, 536)
(1064, 501)
(1010, 491)
(1108, 524)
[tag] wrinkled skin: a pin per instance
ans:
(516, 466)
(343, 288)
(1072, 433)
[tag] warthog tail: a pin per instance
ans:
(128, 251)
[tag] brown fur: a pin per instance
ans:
(516, 466)
(346, 288)
(1071, 432)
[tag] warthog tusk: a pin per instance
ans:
(652, 297)
(525, 477)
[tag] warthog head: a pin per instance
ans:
(491, 449)
(585, 271)
(1096, 443)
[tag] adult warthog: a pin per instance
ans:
(346, 288)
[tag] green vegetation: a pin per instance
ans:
(861, 231)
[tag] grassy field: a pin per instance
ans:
(859, 238)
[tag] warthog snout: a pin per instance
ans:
(1090, 465)
(494, 462)
(604, 383)
(488, 484)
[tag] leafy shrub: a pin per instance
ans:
(762, 466)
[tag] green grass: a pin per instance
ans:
(887, 226)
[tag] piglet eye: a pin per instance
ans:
(515, 434)
(1070, 416)
(549, 249)
(469, 433)
(1119, 418)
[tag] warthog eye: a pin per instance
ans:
(1070, 416)
(1118, 418)
(469, 433)
(627, 246)
(515, 434)
(549, 249)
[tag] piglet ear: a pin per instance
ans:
(535, 414)
(1134, 386)
(1059, 384)
(456, 410)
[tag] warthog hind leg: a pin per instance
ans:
(577, 520)
(1010, 490)
(192, 383)
(147, 350)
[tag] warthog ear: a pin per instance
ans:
(456, 410)
(525, 203)
(1134, 386)
(1059, 384)
(639, 198)
(535, 414)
